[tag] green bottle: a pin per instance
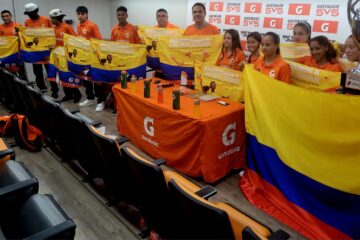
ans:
(176, 99)
(124, 79)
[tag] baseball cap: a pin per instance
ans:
(56, 13)
(29, 7)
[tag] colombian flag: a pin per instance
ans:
(303, 157)
(9, 53)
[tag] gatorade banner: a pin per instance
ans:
(35, 44)
(219, 81)
(9, 47)
(58, 67)
(314, 78)
(113, 57)
(303, 157)
(180, 53)
(80, 55)
(150, 35)
(292, 51)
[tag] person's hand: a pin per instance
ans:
(241, 65)
(148, 48)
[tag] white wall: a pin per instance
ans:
(142, 12)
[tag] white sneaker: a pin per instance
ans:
(87, 102)
(100, 107)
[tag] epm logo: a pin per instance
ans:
(325, 26)
(215, 19)
(275, 23)
(328, 10)
(232, 20)
(216, 6)
(274, 9)
(299, 9)
(253, 7)
(233, 7)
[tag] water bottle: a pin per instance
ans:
(197, 107)
(124, 79)
(133, 84)
(160, 98)
(176, 99)
(147, 88)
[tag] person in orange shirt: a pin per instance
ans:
(323, 55)
(272, 64)
(253, 46)
(37, 21)
(163, 19)
(231, 55)
(8, 27)
(200, 27)
(302, 32)
(60, 27)
(124, 31)
(88, 30)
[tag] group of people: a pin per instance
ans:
(270, 62)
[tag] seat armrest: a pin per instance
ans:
(159, 162)
(56, 231)
(7, 152)
(206, 192)
(95, 123)
(279, 235)
(73, 111)
(121, 140)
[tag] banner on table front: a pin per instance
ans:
(9, 48)
(113, 57)
(35, 44)
(303, 157)
(223, 82)
(150, 35)
(314, 78)
(180, 53)
(58, 67)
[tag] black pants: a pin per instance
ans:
(71, 92)
(39, 78)
(99, 91)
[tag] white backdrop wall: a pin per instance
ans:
(142, 12)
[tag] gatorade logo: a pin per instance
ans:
(216, 6)
(273, 23)
(253, 7)
(272, 73)
(232, 20)
(127, 35)
(84, 32)
(299, 9)
(325, 26)
(149, 126)
(229, 134)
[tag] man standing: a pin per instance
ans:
(37, 21)
(124, 31)
(200, 27)
(60, 27)
(163, 19)
(8, 27)
(88, 30)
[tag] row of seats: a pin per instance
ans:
(25, 214)
(171, 205)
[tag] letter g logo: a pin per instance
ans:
(149, 126)
(229, 134)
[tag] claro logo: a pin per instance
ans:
(149, 126)
(232, 20)
(229, 134)
(253, 7)
(273, 23)
(216, 6)
(299, 9)
(325, 26)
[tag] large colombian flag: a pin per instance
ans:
(9, 58)
(303, 157)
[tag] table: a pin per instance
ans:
(209, 146)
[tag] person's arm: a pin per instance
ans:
(96, 32)
(301, 60)
(285, 73)
(71, 31)
(48, 23)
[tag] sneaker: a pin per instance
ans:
(87, 102)
(100, 107)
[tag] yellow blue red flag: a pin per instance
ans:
(9, 59)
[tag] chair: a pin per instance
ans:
(151, 188)
(40, 218)
(20, 99)
(5, 153)
(7, 89)
(116, 169)
(202, 219)
(16, 185)
(36, 107)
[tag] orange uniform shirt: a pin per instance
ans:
(9, 30)
(42, 22)
(311, 62)
(60, 30)
(126, 34)
(168, 25)
(208, 30)
(279, 69)
(253, 58)
(88, 30)
(231, 61)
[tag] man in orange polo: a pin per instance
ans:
(8, 27)
(60, 27)
(88, 30)
(163, 19)
(124, 31)
(37, 21)
(200, 27)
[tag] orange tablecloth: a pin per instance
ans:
(209, 146)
